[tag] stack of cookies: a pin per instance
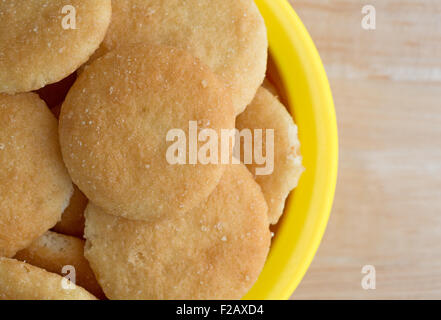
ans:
(146, 187)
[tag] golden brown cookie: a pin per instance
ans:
(72, 220)
(38, 45)
(266, 112)
(21, 281)
(215, 251)
(228, 35)
(35, 187)
(115, 121)
(53, 252)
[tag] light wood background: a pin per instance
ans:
(387, 89)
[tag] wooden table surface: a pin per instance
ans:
(387, 89)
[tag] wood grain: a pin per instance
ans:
(387, 89)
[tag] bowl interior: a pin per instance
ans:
(297, 71)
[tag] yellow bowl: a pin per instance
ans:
(308, 95)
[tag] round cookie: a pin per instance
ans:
(216, 251)
(37, 44)
(21, 281)
(53, 251)
(114, 125)
(229, 36)
(72, 220)
(35, 187)
(267, 112)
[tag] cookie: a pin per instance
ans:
(267, 112)
(72, 220)
(35, 187)
(228, 35)
(38, 45)
(216, 251)
(53, 252)
(115, 122)
(21, 281)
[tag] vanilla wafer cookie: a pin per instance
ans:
(228, 35)
(43, 41)
(216, 251)
(22, 281)
(64, 255)
(267, 112)
(116, 120)
(35, 187)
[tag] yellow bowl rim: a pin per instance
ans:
(305, 82)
